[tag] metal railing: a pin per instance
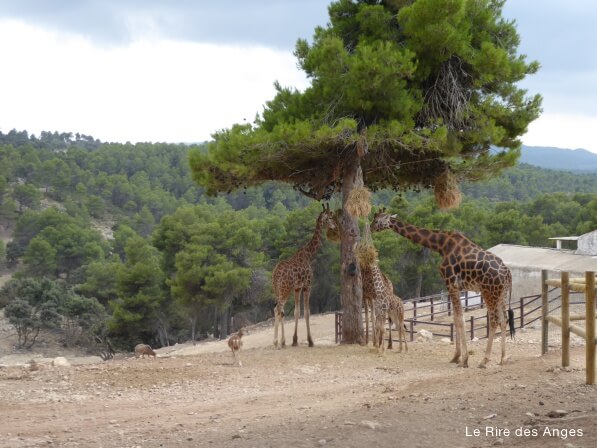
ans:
(431, 311)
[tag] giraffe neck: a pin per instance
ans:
(431, 239)
(311, 248)
(375, 271)
(376, 275)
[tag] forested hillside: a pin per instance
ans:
(118, 241)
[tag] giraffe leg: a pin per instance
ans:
(379, 333)
(280, 317)
(366, 323)
(460, 342)
(390, 345)
(373, 326)
(503, 325)
(307, 313)
(276, 324)
(401, 331)
(462, 337)
(454, 297)
(492, 328)
(297, 315)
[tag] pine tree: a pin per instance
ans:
(412, 94)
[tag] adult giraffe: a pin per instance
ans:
(295, 274)
(464, 266)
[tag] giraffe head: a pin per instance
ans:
(381, 220)
(327, 217)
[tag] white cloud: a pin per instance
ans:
(146, 91)
(174, 91)
(563, 131)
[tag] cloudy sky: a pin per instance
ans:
(178, 70)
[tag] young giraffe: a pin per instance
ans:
(295, 274)
(396, 317)
(381, 305)
(395, 309)
(464, 266)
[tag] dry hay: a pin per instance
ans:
(358, 203)
(366, 253)
(447, 192)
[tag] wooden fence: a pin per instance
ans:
(432, 313)
(584, 285)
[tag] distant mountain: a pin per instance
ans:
(559, 159)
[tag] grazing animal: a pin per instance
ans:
(464, 266)
(235, 343)
(295, 274)
(395, 307)
(381, 305)
(396, 317)
(143, 349)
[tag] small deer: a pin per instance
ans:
(142, 350)
(235, 343)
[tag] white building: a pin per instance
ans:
(526, 262)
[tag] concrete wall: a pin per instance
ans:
(526, 281)
(587, 243)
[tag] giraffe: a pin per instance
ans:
(395, 309)
(295, 274)
(396, 317)
(464, 266)
(381, 305)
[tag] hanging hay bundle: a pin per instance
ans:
(334, 234)
(447, 192)
(366, 254)
(358, 203)
(365, 251)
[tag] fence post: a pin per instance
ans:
(414, 309)
(466, 300)
(412, 330)
(544, 310)
(449, 306)
(338, 325)
(522, 312)
(472, 327)
(565, 277)
(590, 326)
(451, 332)
(431, 309)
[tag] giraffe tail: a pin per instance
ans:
(511, 314)
(511, 322)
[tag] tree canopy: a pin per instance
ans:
(423, 87)
(404, 95)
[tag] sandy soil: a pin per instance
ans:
(330, 395)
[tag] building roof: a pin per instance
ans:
(544, 258)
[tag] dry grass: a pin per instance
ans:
(447, 192)
(366, 253)
(358, 203)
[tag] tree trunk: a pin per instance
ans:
(352, 286)
(193, 321)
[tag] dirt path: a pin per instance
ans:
(329, 395)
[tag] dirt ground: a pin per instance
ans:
(329, 395)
